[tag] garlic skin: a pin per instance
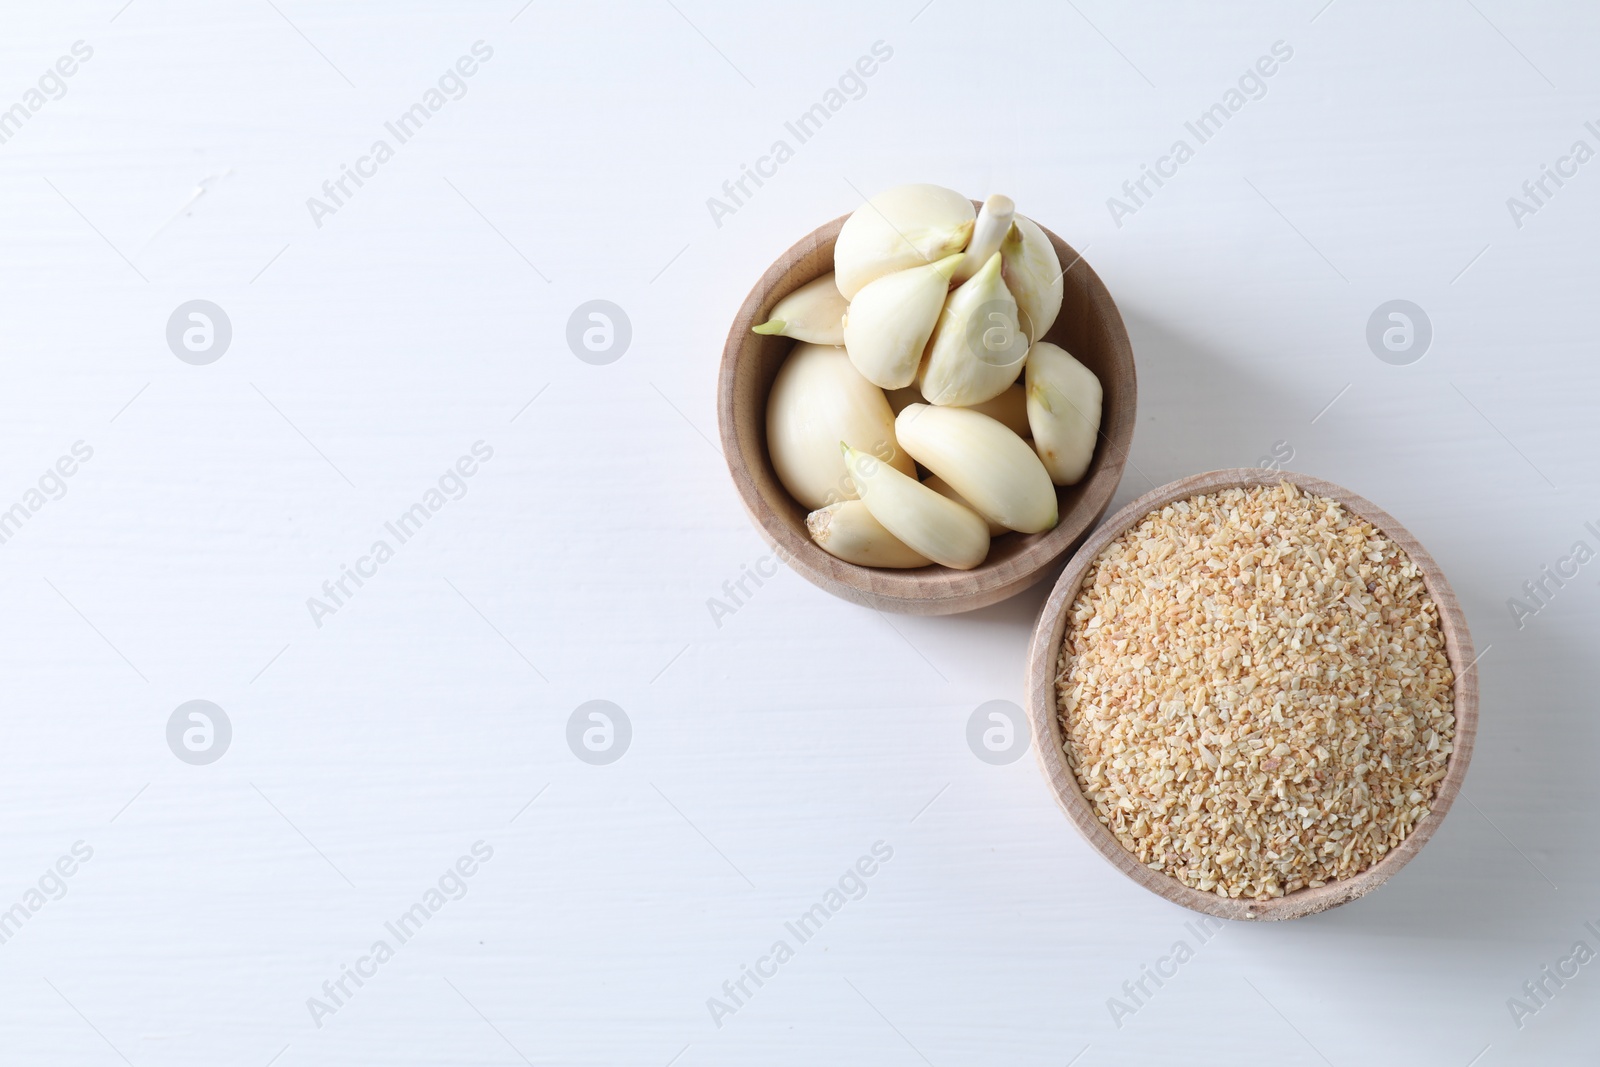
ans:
(907, 226)
(992, 468)
(1034, 276)
(1010, 409)
(817, 400)
(814, 312)
(848, 530)
(1064, 400)
(994, 222)
(890, 320)
(942, 487)
(977, 347)
(928, 523)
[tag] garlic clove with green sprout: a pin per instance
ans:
(814, 312)
(817, 400)
(907, 226)
(848, 530)
(977, 347)
(888, 323)
(933, 525)
(990, 467)
(1034, 276)
(1064, 399)
(994, 222)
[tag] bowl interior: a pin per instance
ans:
(1089, 327)
(1046, 649)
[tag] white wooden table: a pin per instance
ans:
(411, 326)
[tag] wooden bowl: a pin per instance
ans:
(1045, 651)
(1089, 327)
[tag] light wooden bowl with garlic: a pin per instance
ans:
(1089, 327)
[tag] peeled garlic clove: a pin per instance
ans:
(942, 487)
(928, 523)
(900, 399)
(906, 226)
(848, 530)
(992, 468)
(994, 222)
(814, 312)
(1010, 409)
(818, 399)
(977, 348)
(888, 323)
(1033, 274)
(1064, 400)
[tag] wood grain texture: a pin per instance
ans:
(1045, 651)
(1089, 327)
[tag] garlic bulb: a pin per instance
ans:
(888, 323)
(1033, 274)
(994, 222)
(989, 466)
(848, 530)
(818, 399)
(814, 312)
(928, 523)
(942, 487)
(977, 348)
(1010, 409)
(907, 226)
(1064, 400)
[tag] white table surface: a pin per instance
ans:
(771, 751)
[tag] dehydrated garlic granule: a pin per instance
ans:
(1254, 692)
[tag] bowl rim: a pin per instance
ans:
(1044, 650)
(926, 590)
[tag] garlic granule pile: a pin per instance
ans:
(1254, 692)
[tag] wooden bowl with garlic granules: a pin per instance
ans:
(1089, 327)
(1152, 760)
